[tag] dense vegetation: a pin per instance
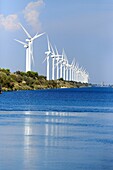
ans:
(31, 81)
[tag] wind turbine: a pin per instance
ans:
(53, 63)
(86, 76)
(29, 49)
(61, 62)
(54, 56)
(48, 54)
(78, 71)
(64, 64)
(73, 70)
(57, 64)
(81, 75)
(70, 69)
(61, 65)
(27, 53)
(67, 66)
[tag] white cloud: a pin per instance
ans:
(9, 22)
(32, 13)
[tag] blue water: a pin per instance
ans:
(61, 129)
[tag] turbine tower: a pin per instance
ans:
(29, 48)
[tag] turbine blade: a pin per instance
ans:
(52, 50)
(29, 36)
(38, 35)
(23, 43)
(44, 60)
(73, 61)
(48, 43)
(64, 54)
(56, 50)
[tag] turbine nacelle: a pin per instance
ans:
(64, 63)
(28, 40)
(48, 52)
(26, 46)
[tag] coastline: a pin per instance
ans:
(43, 87)
(32, 81)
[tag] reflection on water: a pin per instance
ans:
(28, 127)
(52, 128)
(27, 140)
(56, 141)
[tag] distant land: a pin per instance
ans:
(32, 81)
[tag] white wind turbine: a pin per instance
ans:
(81, 75)
(27, 53)
(61, 65)
(48, 55)
(73, 70)
(64, 64)
(78, 72)
(86, 77)
(61, 62)
(70, 70)
(29, 48)
(58, 62)
(53, 64)
(53, 56)
(67, 67)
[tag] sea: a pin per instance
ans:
(57, 129)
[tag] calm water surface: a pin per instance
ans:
(65, 129)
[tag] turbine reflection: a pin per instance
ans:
(54, 127)
(27, 139)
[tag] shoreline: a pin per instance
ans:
(32, 81)
(9, 90)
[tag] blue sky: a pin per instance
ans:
(84, 28)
